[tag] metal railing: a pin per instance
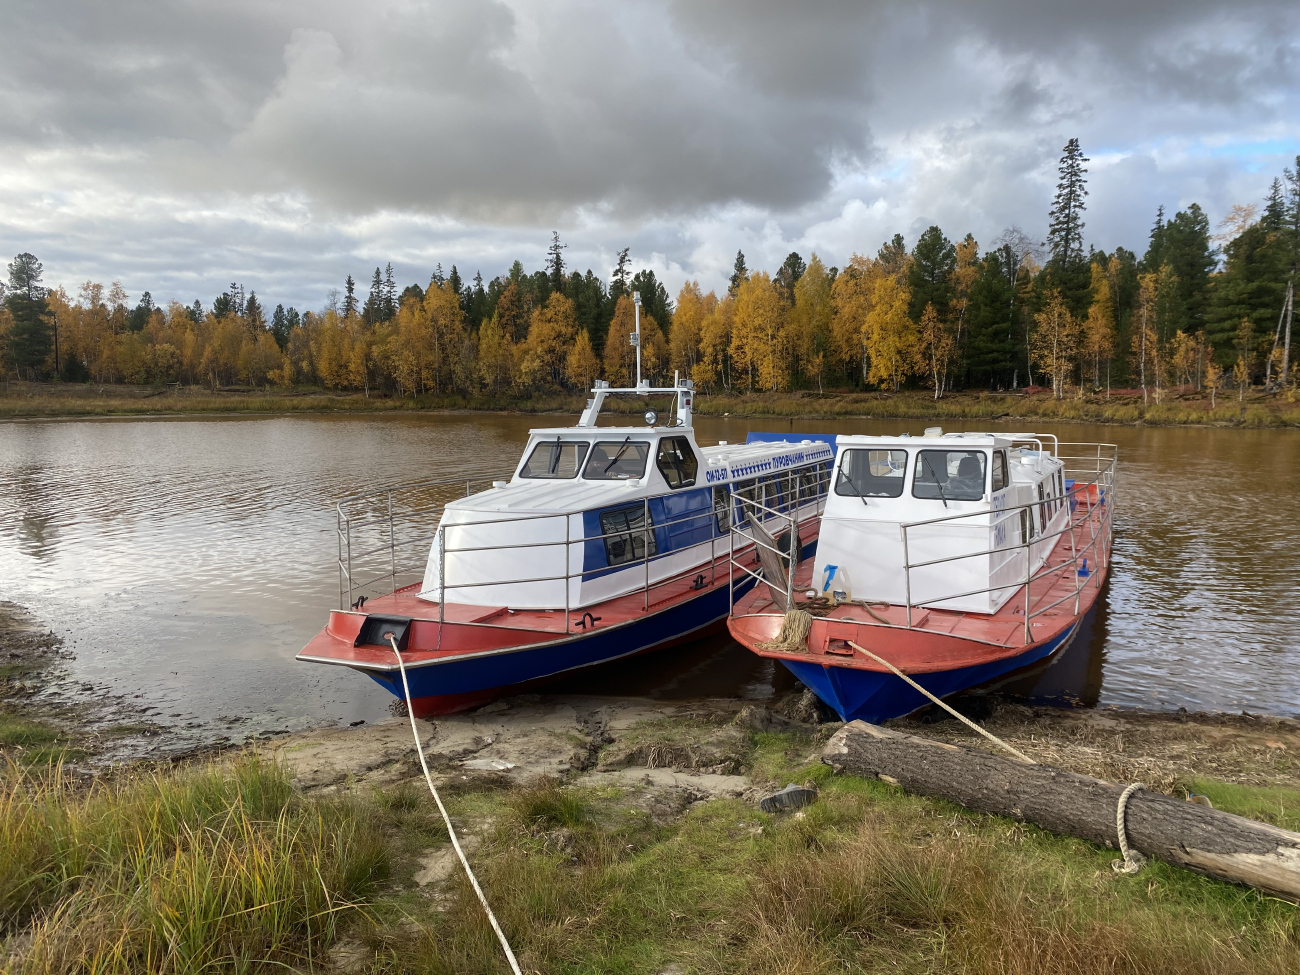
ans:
(1091, 496)
(1088, 503)
(381, 519)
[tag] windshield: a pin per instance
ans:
(949, 475)
(872, 473)
(555, 458)
(617, 460)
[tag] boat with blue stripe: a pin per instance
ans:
(605, 541)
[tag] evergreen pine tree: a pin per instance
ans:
(29, 336)
(349, 297)
(1154, 256)
(280, 327)
(739, 274)
(390, 293)
(934, 261)
(372, 313)
(654, 297)
(196, 311)
(788, 275)
(1274, 218)
(139, 316)
(893, 255)
(555, 262)
(618, 282)
(253, 314)
(1065, 229)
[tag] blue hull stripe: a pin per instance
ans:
(871, 696)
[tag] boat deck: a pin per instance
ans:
(939, 639)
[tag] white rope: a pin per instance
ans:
(1133, 860)
(956, 714)
(419, 750)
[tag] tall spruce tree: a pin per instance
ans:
(555, 262)
(349, 297)
(389, 308)
(372, 312)
(1065, 227)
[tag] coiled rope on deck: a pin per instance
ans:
(419, 750)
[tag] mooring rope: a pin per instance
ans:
(419, 750)
(953, 711)
(1133, 860)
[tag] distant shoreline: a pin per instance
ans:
(40, 401)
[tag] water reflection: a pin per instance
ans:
(189, 560)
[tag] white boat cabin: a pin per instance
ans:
(977, 481)
(596, 512)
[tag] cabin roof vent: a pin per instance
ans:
(934, 431)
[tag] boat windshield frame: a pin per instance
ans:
(551, 466)
(600, 464)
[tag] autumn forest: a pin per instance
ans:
(1210, 309)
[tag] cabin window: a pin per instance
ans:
(809, 484)
(722, 508)
(676, 462)
(627, 534)
(1000, 477)
(747, 493)
(872, 473)
(556, 459)
(1042, 508)
(617, 460)
(1026, 525)
(949, 475)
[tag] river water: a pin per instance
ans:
(186, 561)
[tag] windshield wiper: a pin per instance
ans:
(853, 484)
(617, 456)
(935, 475)
(555, 457)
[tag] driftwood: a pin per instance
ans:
(1203, 839)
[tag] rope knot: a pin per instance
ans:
(1133, 860)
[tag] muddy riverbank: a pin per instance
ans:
(693, 746)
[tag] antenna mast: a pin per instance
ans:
(636, 336)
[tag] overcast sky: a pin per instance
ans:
(286, 144)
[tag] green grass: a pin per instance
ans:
(204, 870)
(36, 743)
(15, 671)
(865, 879)
(225, 869)
(1269, 804)
(18, 732)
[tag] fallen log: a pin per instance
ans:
(1206, 840)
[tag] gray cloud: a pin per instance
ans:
(183, 144)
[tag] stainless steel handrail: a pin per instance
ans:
(358, 511)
